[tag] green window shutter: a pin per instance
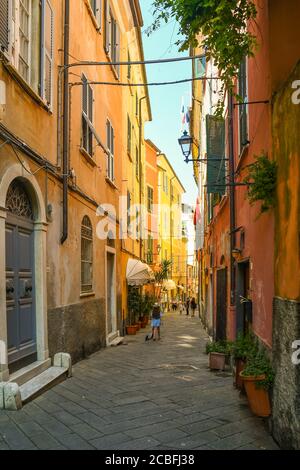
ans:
(215, 129)
(4, 27)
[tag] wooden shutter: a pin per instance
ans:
(47, 50)
(4, 26)
(84, 95)
(117, 47)
(215, 128)
(112, 144)
(107, 27)
(98, 13)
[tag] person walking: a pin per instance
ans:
(187, 304)
(193, 306)
(180, 307)
(156, 320)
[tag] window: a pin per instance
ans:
(137, 163)
(96, 9)
(25, 17)
(86, 255)
(129, 66)
(165, 183)
(243, 108)
(128, 212)
(129, 133)
(149, 199)
(136, 105)
(137, 223)
(29, 40)
(112, 37)
(110, 142)
(150, 250)
(87, 116)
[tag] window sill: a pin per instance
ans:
(83, 295)
(111, 183)
(26, 87)
(93, 18)
(88, 158)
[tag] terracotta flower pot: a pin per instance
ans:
(140, 323)
(137, 326)
(131, 330)
(239, 367)
(217, 361)
(258, 397)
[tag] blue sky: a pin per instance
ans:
(166, 101)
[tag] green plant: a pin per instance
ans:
(222, 347)
(224, 26)
(147, 304)
(262, 179)
(134, 300)
(259, 364)
(243, 346)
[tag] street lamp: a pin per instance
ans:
(185, 143)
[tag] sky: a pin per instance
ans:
(166, 101)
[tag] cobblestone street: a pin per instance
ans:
(141, 395)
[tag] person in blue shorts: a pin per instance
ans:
(155, 323)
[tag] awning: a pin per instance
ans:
(169, 285)
(138, 273)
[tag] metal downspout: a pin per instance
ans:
(65, 165)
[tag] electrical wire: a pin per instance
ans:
(22, 163)
(136, 62)
(122, 84)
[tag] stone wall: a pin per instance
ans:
(286, 392)
(78, 329)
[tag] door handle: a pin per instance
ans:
(10, 290)
(28, 289)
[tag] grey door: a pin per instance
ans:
(109, 293)
(20, 307)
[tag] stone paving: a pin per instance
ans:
(141, 395)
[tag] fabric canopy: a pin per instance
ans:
(138, 273)
(169, 285)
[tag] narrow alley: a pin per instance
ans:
(141, 395)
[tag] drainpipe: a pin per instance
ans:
(140, 170)
(232, 200)
(65, 169)
(171, 225)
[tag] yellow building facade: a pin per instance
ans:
(172, 238)
(64, 165)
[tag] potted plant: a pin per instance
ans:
(217, 350)
(147, 305)
(240, 350)
(134, 303)
(131, 330)
(258, 377)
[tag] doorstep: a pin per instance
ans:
(32, 381)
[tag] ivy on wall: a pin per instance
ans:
(262, 179)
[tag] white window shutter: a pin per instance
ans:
(4, 25)
(107, 27)
(48, 33)
(118, 48)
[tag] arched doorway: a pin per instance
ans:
(20, 277)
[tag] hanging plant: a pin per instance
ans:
(224, 26)
(262, 179)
